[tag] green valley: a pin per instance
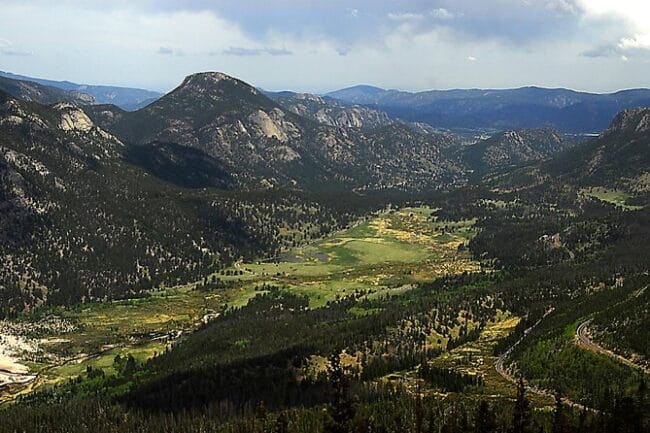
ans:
(383, 256)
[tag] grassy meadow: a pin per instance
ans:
(385, 255)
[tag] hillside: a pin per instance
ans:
(124, 97)
(34, 92)
(510, 148)
(566, 110)
(79, 191)
(621, 154)
(87, 217)
(457, 296)
(217, 262)
(618, 158)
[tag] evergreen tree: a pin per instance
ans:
(130, 366)
(485, 422)
(342, 409)
(521, 416)
(642, 404)
(282, 423)
(625, 417)
(419, 409)
(559, 418)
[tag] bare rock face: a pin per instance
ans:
(81, 97)
(273, 125)
(73, 118)
(11, 113)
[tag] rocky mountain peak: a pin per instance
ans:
(204, 81)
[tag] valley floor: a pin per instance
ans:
(383, 256)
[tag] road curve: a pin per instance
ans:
(583, 340)
(499, 366)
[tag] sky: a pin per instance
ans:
(322, 45)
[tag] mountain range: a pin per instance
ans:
(618, 158)
(363, 106)
(334, 112)
(85, 215)
(495, 109)
(262, 144)
(34, 92)
(124, 97)
(97, 202)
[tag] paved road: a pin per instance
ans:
(500, 367)
(583, 340)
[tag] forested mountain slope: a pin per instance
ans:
(81, 221)
(93, 214)
(618, 158)
(509, 148)
(364, 330)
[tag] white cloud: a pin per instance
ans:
(634, 18)
(7, 48)
(636, 11)
(15, 52)
(562, 6)
(122, 47)
(123, 30)
(641, 41)
(405, 16)
(442, 14)
(244, 51)
(169, 51)
(413, 47)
